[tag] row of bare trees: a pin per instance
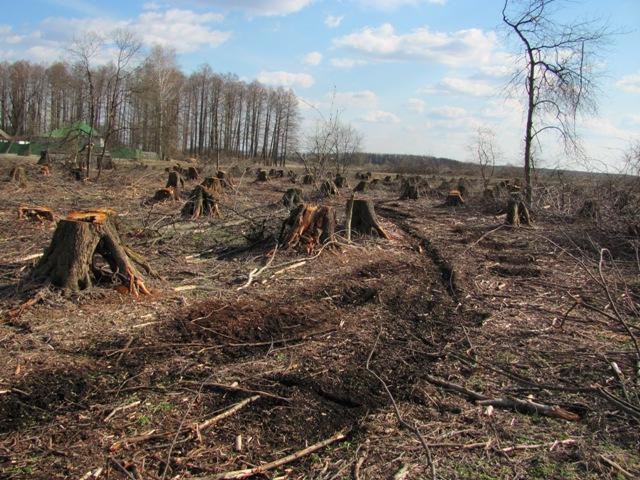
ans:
(147, 102)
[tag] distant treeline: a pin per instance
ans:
(148, 103)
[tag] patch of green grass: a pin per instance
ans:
(144, 420)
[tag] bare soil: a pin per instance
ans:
(98, 384)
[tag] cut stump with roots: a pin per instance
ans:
(364, 219)
(328, 188)
(19, 175)
(165, 194)
(517, 213)
(71, 261)
(262, 176)
(292, 197)
(362, 186)
(202, 202)
(213, 184)
(175, 181)
(192, 173)
(308, 226)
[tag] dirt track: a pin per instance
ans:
(99, 380)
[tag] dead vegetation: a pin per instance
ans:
(453, 344)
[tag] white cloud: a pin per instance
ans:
(416, 105)
(4, 29)
(463, 47)
(380, 116)
(286, 79)
(630, 83)
(266, 8)
(394, 4)
(347, 62)
(476, 88)
(449, 112)
(363, 98)
(333, 21)
(313, 58)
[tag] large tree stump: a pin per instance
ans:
(308, 226)
(262, 176)
(201, 203)
(410, 191)
(341, 181)
(225, 179)
(454, 199)
(328, 188)
(44, 158)
(364, 219)
(165, 194)
(175, 181)
(19, 175)
(71, 259)
(213, 184)
(192, 173)
(517, 213)
(362, 186)
(292, 197)
(39, 214)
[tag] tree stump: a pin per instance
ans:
(44, 170)
(39, 214)
(308, 226)
(44, 158)
(454, 199)
(292, 197)
(340, 181)
(262, 176)
(410, 191)
(517, 213)
(328, 188)
(279, 174)
(362, 186)
(225, 179)
(19, 175)
(176, 182)
(213, 184)
(308, 179)
(178, 168)
(201, 203)
(364, 219)
(70, 260)
(192, 173)
(164, 194)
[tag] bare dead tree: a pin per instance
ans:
(485, 152)
(557, 72)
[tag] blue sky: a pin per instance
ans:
(413, 76)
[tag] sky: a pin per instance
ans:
(412, 76)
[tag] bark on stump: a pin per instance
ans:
(364, 219)
(454, 199)
(262, 176)
(225, 179)
(308, 226)
(517, 213)
(69, 262)
(362, 186)
(341, 182)
(35, 213)
(192, 173)
(175, 181)
(308, 179)
(590, 209)
(19, 175)
(292, 197)
(328, 188)
(213, 184)
(410, 191)
(44, 158)
(201, 203)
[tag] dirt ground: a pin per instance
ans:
(98, 384)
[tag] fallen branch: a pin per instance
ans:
(617, 467)
(250, 472)
(199, 427)
(237, 388)
(507, 403)
(257, 271)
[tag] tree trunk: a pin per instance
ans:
(364, 219)
(517, 213)
(70, 260)
(201, 203)
(176, 182)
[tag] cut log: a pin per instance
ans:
(362, 186)
(213, 184)
(165, 194)
(262, 176)
(19, 175)
(328, 188)
(364, 219)
(454, 199)
(175, 181)
(39, 214)
(70, 260)
(517, 213)
(201, 202)
(292, 197)
(308, 226)
(192, 173)
(308, 179)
